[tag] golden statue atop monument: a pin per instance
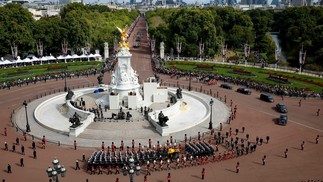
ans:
(124, 37)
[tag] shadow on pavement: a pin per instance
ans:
(231, 170)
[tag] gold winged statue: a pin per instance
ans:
(124, 37)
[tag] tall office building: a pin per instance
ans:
(246, 2)
(298, 3)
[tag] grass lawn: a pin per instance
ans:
(296, 80)
(11, 74)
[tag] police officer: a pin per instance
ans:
(286, 152)
(35, 154)
(22, 162)
(264, 160)
(9, 168)
(5, 146)
(77, 165)
(22, 149)
(302, 145)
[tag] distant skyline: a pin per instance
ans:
(120, 1)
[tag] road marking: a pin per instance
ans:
(319, 130)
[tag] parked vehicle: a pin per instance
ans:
(266, 97)
(226, 86)
(281, 108)
(244, 91)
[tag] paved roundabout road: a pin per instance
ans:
(256, 116)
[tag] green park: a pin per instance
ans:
(215, 28)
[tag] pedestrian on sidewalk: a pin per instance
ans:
(317, 139)
(318, 112)
(5, 132)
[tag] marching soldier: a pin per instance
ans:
(102, 146)
(161, 164)
(154, 165)
(177, 163)
(117, 170)
(92, 170)
(203, 173)
(100, 169)
(148, 171)
(168, 164)
(109, 170)
(169, 177)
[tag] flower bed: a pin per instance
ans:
(56, 67)
(207, 67)
(296, 78)
(279, 79)
(242, 72)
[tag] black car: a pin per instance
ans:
(282, 120)
(226, 86)
(266, 97)
(281, 108)
(244, 91)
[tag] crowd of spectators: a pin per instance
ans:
(277, 89)
(106, 67)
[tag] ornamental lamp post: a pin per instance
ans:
(211, 123)
(27, 122)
